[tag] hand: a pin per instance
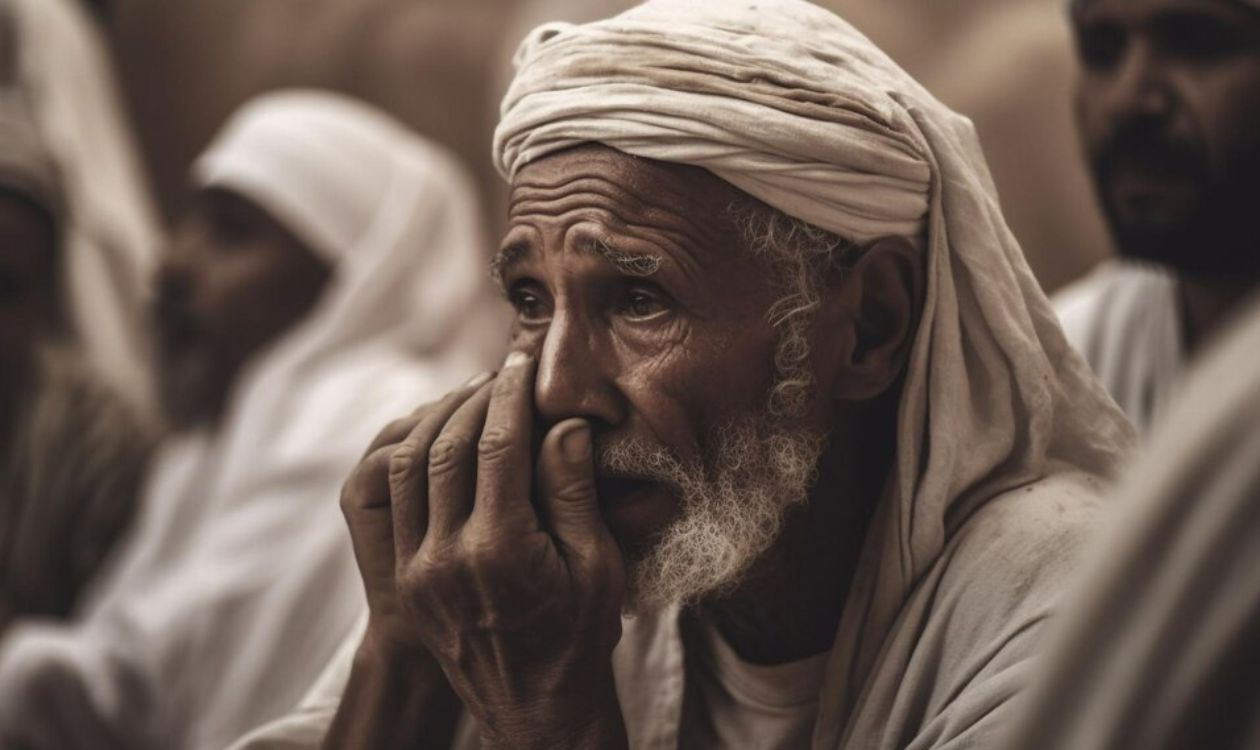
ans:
(365, 503)
(519, 602)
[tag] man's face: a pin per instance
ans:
(1169, 113)
(27, 276)
(648, 319)
(233, 279)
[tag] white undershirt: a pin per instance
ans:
(731, 703)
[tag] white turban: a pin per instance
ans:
(319, 164)
(792, 105)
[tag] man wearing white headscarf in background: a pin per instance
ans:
(328, 279)
(782, 388)
(1168, 113)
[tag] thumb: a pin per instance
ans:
(566, 480)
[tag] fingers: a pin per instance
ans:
(408, 470)
(504, 464)
(452, 467)
(398, 430)
(365, 505)
(566, 481)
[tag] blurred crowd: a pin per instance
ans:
(248, 249)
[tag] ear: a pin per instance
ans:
(875, 312)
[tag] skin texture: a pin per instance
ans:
(1167, 108)
(232, 280)
(501, 562)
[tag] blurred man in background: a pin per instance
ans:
(1169, 110)
(327, 278)
(62, 66)
(72, 449)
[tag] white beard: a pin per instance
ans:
(733, 508)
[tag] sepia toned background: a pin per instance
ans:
(441, 65)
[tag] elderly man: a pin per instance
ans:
(1168, 111)
(323, 282)
(782, 390)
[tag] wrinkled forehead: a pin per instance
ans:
(632, 187)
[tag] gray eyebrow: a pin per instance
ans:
(631, 264)
(640, 265)
(505, 258)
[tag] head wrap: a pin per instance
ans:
(794, 106)
(319, 164)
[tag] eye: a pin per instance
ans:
(530, 304)
(641, 303)
(1100, 46)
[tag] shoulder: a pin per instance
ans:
(1011, 560)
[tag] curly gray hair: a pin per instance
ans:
(797, 255)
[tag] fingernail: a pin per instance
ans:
(479, 380)
(515, 359)
(576, 444)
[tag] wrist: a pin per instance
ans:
(382, 646)
(589, 719)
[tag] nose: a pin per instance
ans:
(1141, 88)
(575, 377)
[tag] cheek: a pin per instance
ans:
(693, 388)
(237, 300)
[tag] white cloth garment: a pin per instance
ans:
(1162, 646)
(1004, 435)
(239, 582)
(731, 703)
(65, 73)
(1124, 318)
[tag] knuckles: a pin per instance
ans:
(446, 453)
(575, 490)
(495, 444)
(357, 491)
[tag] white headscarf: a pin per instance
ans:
(64, 72)
(795, 107)
(239, 581)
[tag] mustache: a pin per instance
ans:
(639, 459)
(1145, 144)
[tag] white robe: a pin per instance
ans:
(1125, 320)
(1162, 646)
(239, 581)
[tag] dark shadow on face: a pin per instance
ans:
(29, 267)
(232, 281)
(1169, 114)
